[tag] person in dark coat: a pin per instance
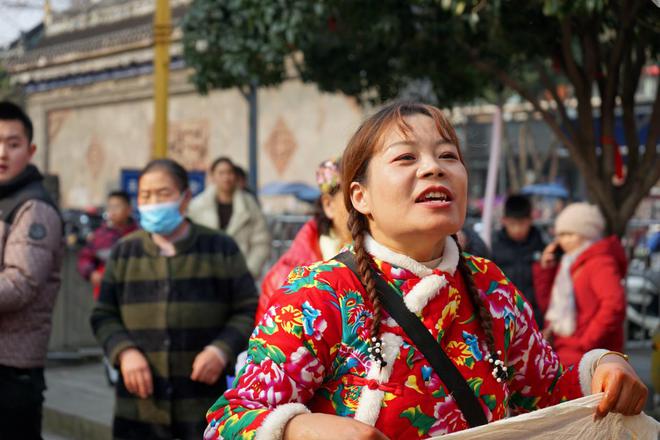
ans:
(177, 304)
(517, 247)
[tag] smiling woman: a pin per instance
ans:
(403, 335)
(414, 190)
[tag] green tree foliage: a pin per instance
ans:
(464, 49)
(468, 48)
(7, 90)
(239, 43)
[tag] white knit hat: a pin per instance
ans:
(581, 218)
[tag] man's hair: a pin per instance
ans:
(223, 159)
(171, 167)
(518, 206)
(120, 195)
(11, 112)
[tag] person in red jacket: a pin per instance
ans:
(92, 257)
(321, 238)
(581, 292)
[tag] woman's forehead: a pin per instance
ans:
(410, 130)
(157, 178)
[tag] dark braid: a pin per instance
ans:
(485, 318)
(357, 224)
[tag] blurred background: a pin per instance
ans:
(554, 99)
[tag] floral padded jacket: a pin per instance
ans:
(309, 353)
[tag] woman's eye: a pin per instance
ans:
(406, 157)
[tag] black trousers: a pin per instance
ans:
(21, 401)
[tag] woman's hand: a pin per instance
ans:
(136, 372)
(548, 256)
(625, 393)
(331, 427)
(207, 367)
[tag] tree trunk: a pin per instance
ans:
(253, 140)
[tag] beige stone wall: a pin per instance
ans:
(88, 134)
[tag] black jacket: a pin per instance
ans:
(516, 259)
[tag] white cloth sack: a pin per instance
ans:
(567, 421)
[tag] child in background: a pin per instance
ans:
(92, 257)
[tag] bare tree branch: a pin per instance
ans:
(582, 92)
(631, 73)
(573, 70)
(650, 153)
(648, 172)
(638, 191)
(528, 138)
(591, 47)
(589, 56)
(620, 52)
(553, 157)
(551, 86)
(592, 181)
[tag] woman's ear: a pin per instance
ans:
(360, 198)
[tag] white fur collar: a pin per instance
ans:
(371, 400)
(448, 263)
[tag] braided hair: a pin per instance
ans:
(483, 314)
(357, 225)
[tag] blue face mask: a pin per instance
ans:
(160, 218)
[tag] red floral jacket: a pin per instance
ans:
(309, 353)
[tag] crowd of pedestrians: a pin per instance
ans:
(376, 323)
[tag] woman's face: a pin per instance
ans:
(415, 191)
(570, 241)
(158, 186)
(335, 210)
(224, 177)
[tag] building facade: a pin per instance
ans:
(87, 76)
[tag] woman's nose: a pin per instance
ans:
(430, 166)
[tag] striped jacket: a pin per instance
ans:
(171, 308)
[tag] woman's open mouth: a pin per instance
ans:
(435, 196)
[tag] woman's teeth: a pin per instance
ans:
(436, 196)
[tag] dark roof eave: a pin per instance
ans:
(89, 41)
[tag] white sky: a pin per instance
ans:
(22, 15)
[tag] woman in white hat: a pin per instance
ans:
(582, 289)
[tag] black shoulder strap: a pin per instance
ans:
(430, 348)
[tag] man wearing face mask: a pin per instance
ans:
(177, 303)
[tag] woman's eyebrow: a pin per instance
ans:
(403, 143)
(412, 143)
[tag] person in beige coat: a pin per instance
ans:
(225, 207)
